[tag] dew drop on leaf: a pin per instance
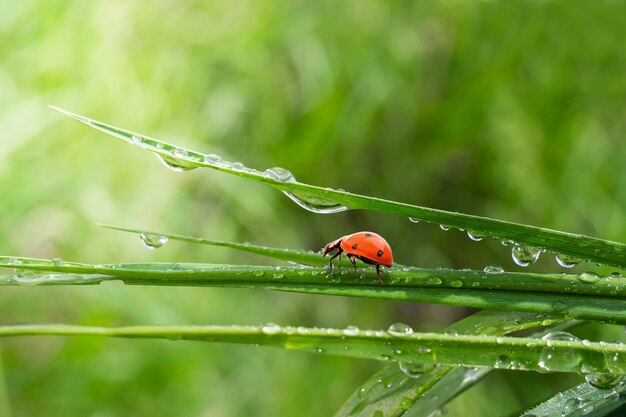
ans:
(562, 359)
(444, 227)
(153, 241)
(589, 277)
(525, 255)
(279, 174)
(603, 381)
(351, 330)
(414, 370)
(58, 262)
(571, 404)
(493, 269)
(474, 236)
(270, 328)
(400, 329)
(566, 261)
(413, 220)
(315, 204)
(176, 164)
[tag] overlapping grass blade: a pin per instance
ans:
(511, 292)
(584, 401)
(291, 255)
(394, 393)
(326, 200)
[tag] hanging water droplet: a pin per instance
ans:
(315, 204)
(566, 261)
(413, 220)
(493, 269)
(279, 174)
(176, 164)
(615, 275)
(474, 236)
(400, 329)
(561, 359)
(603, 381)
(414, 370)
(270, 328)
(525, 255)
(153, 241)
(444, 227)
(589, 277)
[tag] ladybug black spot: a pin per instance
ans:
(368, 235)
(356, 245)
(380, 253)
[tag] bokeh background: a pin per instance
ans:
(508, 109)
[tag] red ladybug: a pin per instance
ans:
(369, 247)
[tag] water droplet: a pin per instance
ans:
(589, 277)
(493, 269)
(474, 236)
(414, 370)
(444, 227)
(153, 241)
(603, 381)
(279, 174)
(58, 262)
(456, 283)
(384, 357)
(351, 331)
(14, 261)
(315, 204)
(319, 350)
(176, 164)
(413, 220)
(400, 329)
(616, 362)
(525, 255)
(434, 280)
(212, 158)
(503, 362)
(562, 359)
(259, 273)
(566, 261)
(571, 404)
(615, 275)
(270, 328)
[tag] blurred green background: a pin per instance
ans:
(514, 110)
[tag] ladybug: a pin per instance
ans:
(369, 247)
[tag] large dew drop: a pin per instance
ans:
(589, 277)
(562, 359)
(176, 164)
(493, 269)
(153, 241)
(315, 204)
(525, 255)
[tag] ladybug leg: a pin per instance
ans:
(330, 261)
(378, 274)
(353, 260)
(339, 260)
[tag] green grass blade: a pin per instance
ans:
(393, 393)
(583, 400)
(291, 255)
(326, 200)
(404, 285)
(423, 348)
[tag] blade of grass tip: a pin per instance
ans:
(363, 283)
(521, 353)
(154, 240)
(327, 200)
(393, 390)
(583, 400)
